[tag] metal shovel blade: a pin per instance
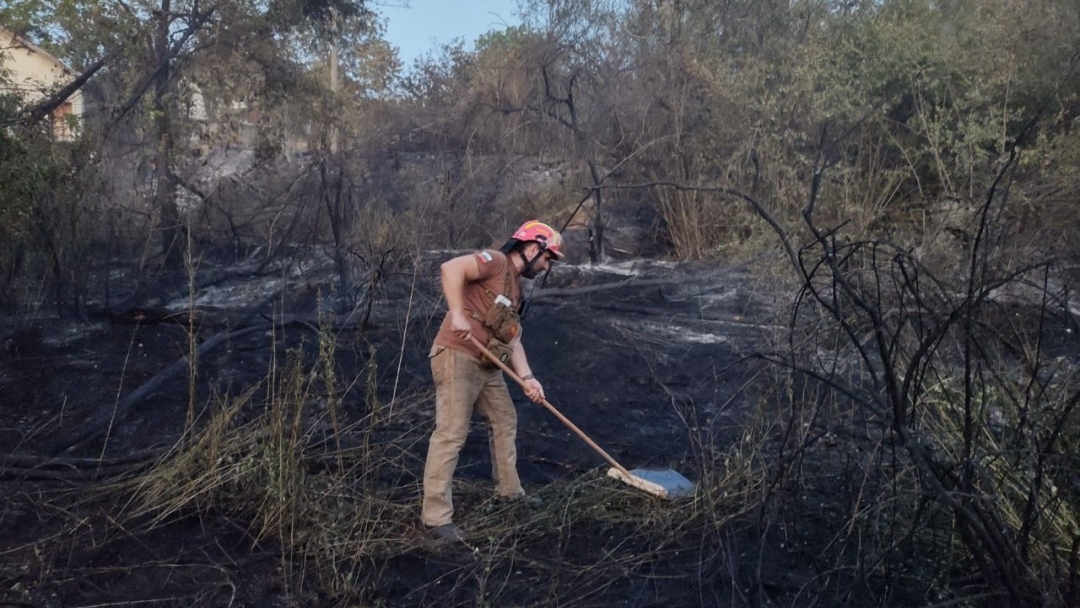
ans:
(664, 483)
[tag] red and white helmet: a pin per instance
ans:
(546, 236)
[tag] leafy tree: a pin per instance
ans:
(21, 178)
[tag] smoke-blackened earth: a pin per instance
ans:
(649, 359)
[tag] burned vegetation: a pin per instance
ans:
(821, 262)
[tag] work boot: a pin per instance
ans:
(447, 532)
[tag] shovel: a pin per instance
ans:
(664, 483)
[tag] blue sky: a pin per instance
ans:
(429, 23)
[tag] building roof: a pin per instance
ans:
(10, 40)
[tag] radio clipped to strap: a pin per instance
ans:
(502, 320)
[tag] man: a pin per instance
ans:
(483, 298)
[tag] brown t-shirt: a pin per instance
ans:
(493, 268)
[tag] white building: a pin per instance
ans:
(33, 74)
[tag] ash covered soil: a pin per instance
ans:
(647, 358)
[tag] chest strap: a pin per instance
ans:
(507, 279)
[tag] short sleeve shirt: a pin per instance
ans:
(493, 267)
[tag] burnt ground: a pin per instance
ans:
(647, 358)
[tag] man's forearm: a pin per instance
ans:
(520, 362)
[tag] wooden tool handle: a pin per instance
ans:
(509, 372)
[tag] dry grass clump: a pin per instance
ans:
(1012, 445)
(278, 461)
(233, 457)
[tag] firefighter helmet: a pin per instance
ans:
(544, 235)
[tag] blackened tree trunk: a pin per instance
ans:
(164, 180)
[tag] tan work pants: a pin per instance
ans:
(462, 385)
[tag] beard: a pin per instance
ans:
(529, 272)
